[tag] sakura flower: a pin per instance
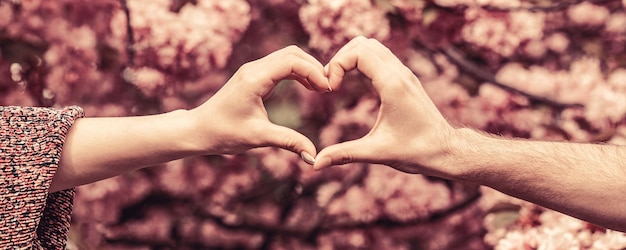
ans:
(588, 13)
(333, 23)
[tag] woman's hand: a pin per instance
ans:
(234, 119)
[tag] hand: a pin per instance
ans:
(410, 134)
(235, 120)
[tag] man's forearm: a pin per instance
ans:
(583, 180)
(99, 148)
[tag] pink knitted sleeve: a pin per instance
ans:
(31, 140)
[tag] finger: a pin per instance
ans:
(334, 70)
(316, 63)
(359, 150)
(384, 52)
(319, 81)
(371, 58)
(356, 54)
(302, 81)
(273, 69)
(278, 136)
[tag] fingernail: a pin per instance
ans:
(325, 161)
(329, 89)
(307, 158)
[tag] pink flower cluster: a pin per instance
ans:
(502, 33)
(62, 53)
(584, 83)
(331, 23)
(71, 52)
(183, 45)
(517, 224)
(504, 4)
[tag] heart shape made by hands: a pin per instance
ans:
(409, 132)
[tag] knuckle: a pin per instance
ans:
(290, 143)
(359, 39)
(373, 41)
(358, 42)
(292, 49)
(291, 57)
(246, 67)
(247, 75)
(345, 157)
(249, 78)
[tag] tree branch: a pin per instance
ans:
(130, 37)
(558, 6)
(457, 57)
(382, 222)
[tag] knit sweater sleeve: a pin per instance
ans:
(31, 140)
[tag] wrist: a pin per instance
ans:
(464, 147)
(184, 135)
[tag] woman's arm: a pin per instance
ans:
(583, 180)
(232, 121)
(99, 148)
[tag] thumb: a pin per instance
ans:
(282, 137)
(359, 150)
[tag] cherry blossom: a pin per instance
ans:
(530, 69)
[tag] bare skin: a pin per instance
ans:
(586, 181)
(410, 134)
(232, 121)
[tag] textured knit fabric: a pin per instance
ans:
(31, 140)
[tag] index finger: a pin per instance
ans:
(293, 63)
(370, 57)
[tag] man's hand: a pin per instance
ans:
(410, 134)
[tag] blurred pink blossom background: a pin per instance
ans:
(550, 70)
